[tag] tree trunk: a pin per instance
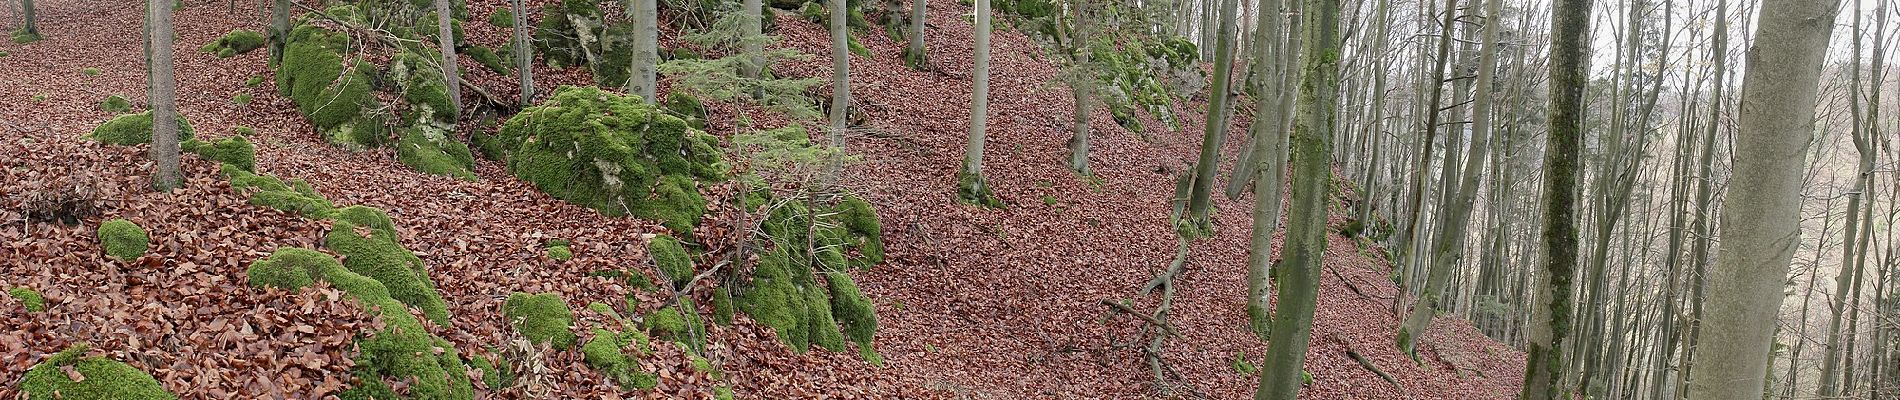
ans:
(164, 151)
(445, 39)
(1569, 66)
(1084, 86)
(754, 49)
(1451, 231)
(646, 49)
(1201, 201)
(914, 55)
(971, 185)
(1416, 205)
(279, 29)
(1835, 371)
(1270, 153)
(840, 79)
(1306, 239)
(524, 56)
(1761, 226)
(32, 21)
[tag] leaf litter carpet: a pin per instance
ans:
(974, 303)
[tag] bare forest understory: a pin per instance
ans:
(973, 302)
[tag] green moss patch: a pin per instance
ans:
(671, 259)
(606, 353)
(687, 107)
(558, 249)
(504, 18)
(237, 42)
(313, 74)
(32, 300)
(236, 151)
(294, 196)
(428, 148)
(542, 318)
(489, 58)
(131, 129)
(378, 255)
(117, 104)
(123, 239)
(613, 153)
(289, 268)
(99, 379)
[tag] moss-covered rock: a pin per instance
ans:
(237, 42)
(295, 196)
(687, 107)
(777, 300)
(330, 93)
(289, 268)
(28, 298)
(131, 129)
(542, 318)
(236, 151)
(559, 249)
(117, 104)
(496, 372)
(863, 231)
(606, 354)
(852, 309)
(671, 259)
(613, 153)
(722, 306)
(502, 18)
(489, 58)
(428, 148)
(823, 325)
(380, 256)
(99, 379)
(123, 239)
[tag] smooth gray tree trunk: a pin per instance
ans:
(1569, 67)
(164, 85)
(1306, 240)
(524, 54)
(445, 39)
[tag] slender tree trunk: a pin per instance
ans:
(1201, 202)
(164, 151)
(914, 54)
(1408, 237)
(1451, 230)
(524, 57)
(646, 49)
(972, 187)
(1270, 155)
(445, 39)
(1305, 245)
(840, 79)
(32, 21)
(279, 29)
(754, 26)
(1761, 225)
(1083, 87)
(1570, 23)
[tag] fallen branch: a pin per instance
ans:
(1124, 308)
(1367, 364)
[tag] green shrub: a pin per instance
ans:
(381, 257)
(123, 239)
(33, 301)
(117, 104)
(131, 129)
(671, 259)
(99, 379)
(289, 268)
(295, 196)
(237, 42)
(236, 151)
(613, 153)
(542, 318)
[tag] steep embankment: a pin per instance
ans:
(975, 303)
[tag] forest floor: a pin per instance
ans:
(973, 302)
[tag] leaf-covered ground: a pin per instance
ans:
(973, 303)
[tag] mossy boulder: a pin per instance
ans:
(852, 309)
(366, 238)
(491, 59)
(293, 196)
(28, 298)
(687, 107)
(502, 18)
(542, 318)
(862, 231)
(289, 268)
(237, 42)
(99, 379)
(117, 104)
(613, 153)
(331, 93)
(236, 151)
(131, 129)
(606, 353)
(123, 239)
(429, 149)
(671, 259)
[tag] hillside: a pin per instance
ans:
(973, 302)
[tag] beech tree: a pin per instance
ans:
(1760, 227)
(971, 187)
(914, 54)
(164, 87)
(646, 48)
(30, 28)
(1569, 68)
(1305, 247)
(524, 54)
(1201, 200)
(840, 77)
(445, 39)
(279, 29)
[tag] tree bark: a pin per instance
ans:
(279, 29)
(1569, 66)
(1270, 154)
(524, 56)
(753, 47)
(32, 20)
(445, 39)
(1416, 204)
(1201, 200)
(1305, 246)
(914, 54)
(972, 186)
(840, 80)
(1083, 87)
(646, 49)
(164, 151)
(1760, 228)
